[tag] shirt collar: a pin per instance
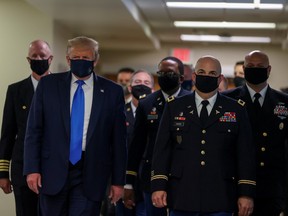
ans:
(211, 100)
(34, 82)
(166, 96)
(88, 82)
(252, 92)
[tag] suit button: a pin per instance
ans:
(147, 161)
(265, 134)
(263, 149)
(203, 152)
(203, 141)
(202, 163)
(203, 131)
(262, 164)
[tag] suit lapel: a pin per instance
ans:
(64, 86)
(192, 110)
(216, 112)
(97, 104)
(27, 94)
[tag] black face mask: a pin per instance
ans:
(39, 66)
(139, 90)
(256, 75)
(168, 82)
(206, 84)
(81, 68)
(239, 81)
(187, 85)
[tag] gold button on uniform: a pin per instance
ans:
(203, 141)
(263, 149)
(202, 163)
(203, 152)
(203, 131)
(262, 164)
(265, 134)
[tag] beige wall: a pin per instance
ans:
(20, 24)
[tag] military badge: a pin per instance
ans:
(281, 126)
(228, 117)
(179, 139)
(281, 111)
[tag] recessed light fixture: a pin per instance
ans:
(223, 24)
(225, 5)
(231, 39)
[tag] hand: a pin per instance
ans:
(159, 199)
(5, 184)
(128, 198)
(245, 206)
(34, 182)
(116, 193)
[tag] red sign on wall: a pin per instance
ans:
(183, 54)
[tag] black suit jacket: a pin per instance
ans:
(130, 120)
(47, 141)
(270, 137)
(17, 104)
(204, 168)
(148, 116)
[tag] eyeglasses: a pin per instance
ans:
(167, 73)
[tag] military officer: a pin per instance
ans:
(268, 115)
(140, 86)
(203, 161)
(148, 115)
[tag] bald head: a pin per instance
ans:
(208, 65)
(39, 49)
(256, 58)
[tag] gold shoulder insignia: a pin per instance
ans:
(169, 99)
(142, 96)
(241, 102)
(128, 172)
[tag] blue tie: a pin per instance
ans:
(77, 122)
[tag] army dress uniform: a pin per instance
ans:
(270, 132)
(204, 167)
(148, 116)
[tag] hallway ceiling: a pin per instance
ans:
(148, 24)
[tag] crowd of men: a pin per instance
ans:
(81, 144)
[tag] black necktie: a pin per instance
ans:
(256, 103)
(204, 112)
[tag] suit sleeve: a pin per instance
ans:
(162, 154)
(137, 146)
(8, 134)
(34, 133)
(246, 157)
(120, 143)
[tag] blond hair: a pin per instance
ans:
(84, 42)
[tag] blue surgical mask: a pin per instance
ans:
(81, 68)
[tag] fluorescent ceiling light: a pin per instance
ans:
(225, 5)
(232, 39)
(244, 25)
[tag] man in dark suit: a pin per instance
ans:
(203, 159)
(148, 115)
(268, 116)
(140, 86)
(68, 169)
(15, 114)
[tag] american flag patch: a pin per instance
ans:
(228, 117)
